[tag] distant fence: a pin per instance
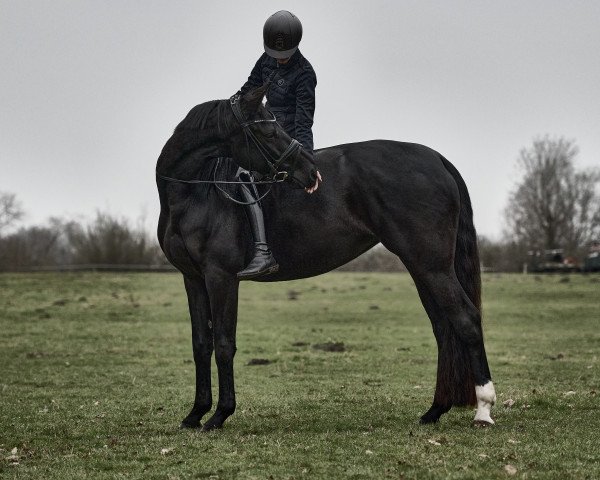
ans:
(92, 267)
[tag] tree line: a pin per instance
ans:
(105, 240)
(553, 205)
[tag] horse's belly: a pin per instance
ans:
(310, 255)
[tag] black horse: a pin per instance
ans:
(404, 195)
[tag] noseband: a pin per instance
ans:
(274, 163)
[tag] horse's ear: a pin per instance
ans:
(253, 99)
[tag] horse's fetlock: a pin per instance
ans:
(486, 398)
(227, 408)
(202, 406)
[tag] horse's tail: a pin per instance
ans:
(466, 258)
(456, 384)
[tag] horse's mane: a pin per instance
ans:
(209, 117)
(199, 137)
(195, 145)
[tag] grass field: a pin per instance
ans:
(96, 373)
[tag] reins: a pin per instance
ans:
(216, 183)
(226, 182)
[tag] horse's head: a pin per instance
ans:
(262, 145)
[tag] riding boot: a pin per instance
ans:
(263, 261)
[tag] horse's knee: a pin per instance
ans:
(202, 352)
(224, 352)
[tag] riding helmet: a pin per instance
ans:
(282, 34)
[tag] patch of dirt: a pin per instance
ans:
(259, 361)
(293, 294)
(372, 382)
(330, 346)
(36, 354)
(299, 344)
(60, 303)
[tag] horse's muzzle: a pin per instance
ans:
(303, 179)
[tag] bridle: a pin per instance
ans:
(272, 162)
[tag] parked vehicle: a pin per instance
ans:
(592, 261)
(554, 260)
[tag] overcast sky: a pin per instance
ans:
(91, 90)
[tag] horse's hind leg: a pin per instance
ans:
(463, 371)
(202, 344)
(223, 291)
(441, 403)
(463, 376)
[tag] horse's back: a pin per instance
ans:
(403, 156)
(394, 171)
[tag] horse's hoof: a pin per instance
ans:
(434, 413)
(208, 426)
(426, 419)
(482, 424)
(189, 425)
(213, 423)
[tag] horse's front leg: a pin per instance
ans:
(202, 344)
(223, 293)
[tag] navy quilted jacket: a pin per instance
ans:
(291, 96)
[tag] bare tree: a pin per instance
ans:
(501, 255)
(10, 210)
(554, 205)
(35, 246)
(111, 240)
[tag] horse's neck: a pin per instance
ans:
(188, 153)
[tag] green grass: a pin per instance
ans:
(96, 373)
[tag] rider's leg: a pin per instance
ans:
(263, 261)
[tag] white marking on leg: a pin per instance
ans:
(486, 397)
